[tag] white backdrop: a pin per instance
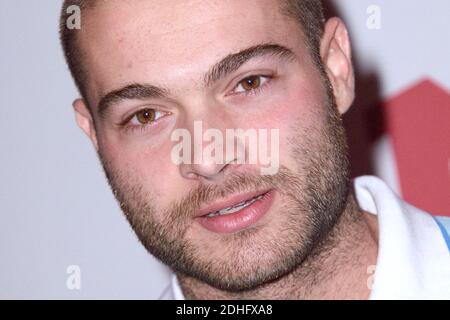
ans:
(55, 206)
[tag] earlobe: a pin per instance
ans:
(84, 120)
(335, 51)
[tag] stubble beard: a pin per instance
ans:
(313, 197)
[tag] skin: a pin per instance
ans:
(172, 44)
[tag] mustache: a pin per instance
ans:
(235, 183)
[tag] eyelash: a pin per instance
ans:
(258, 90)
(143, 127)
(126, 124)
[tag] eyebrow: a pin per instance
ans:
(219, 70)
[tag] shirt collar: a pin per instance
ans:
(413, 261)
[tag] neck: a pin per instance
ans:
(336, 269)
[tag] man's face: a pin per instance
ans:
(172, 45)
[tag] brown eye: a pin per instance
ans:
(251, 83)
(146, 116)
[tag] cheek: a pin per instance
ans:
(143, 166)
(295, 114)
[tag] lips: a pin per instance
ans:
(235, 208)
(235, 213)
(229, 202)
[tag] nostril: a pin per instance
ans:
(208, 171)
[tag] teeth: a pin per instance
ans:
(235, 208)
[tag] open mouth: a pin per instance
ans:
(235, 208)
(236, 213)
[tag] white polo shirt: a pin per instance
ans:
(413, 253)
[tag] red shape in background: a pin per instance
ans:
(418, 121)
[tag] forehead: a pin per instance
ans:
(165, 40)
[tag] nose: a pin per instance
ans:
(208, 160)
(205, 170)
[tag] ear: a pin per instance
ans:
(335, 50)
(84, 120)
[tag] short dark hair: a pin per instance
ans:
(309, 13)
